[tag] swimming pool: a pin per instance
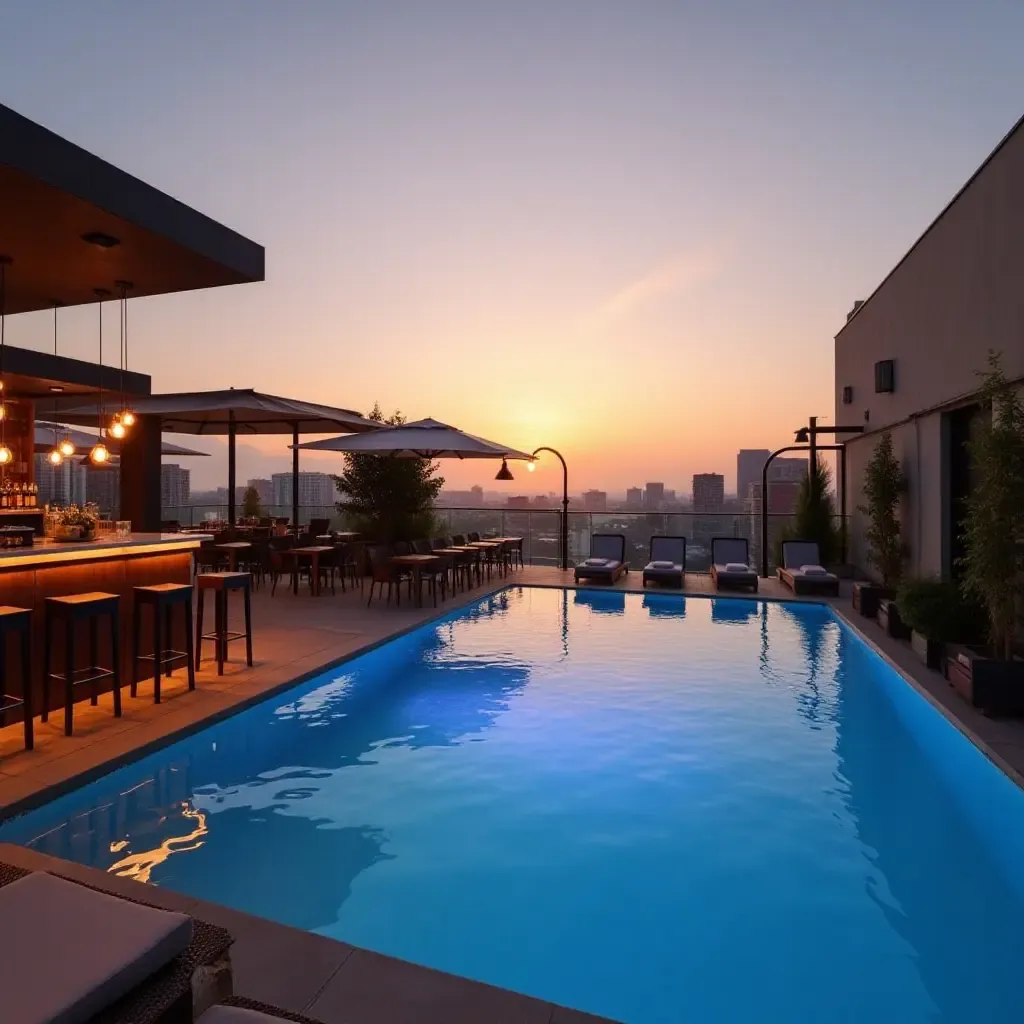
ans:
(651, 807)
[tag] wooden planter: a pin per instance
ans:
(866, 597)
(888, 616)
(994, 686)
(931, 652)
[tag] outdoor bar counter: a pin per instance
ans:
(114, 565)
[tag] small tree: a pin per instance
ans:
(386, 498)
(252, 508)
(883, 485)
(815, 513)
(993, 562)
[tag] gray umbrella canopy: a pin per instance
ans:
(241, 410)
(423, 439)
(83, 441)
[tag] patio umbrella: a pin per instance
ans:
(84, 442)
(423, 439)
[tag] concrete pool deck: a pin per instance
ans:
(296, 637)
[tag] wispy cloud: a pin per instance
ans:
(679, 274)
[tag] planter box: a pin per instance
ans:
(889, 619)
(931, 652)
(866, 597)
(996, 687)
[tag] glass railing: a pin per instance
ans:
(540, 528)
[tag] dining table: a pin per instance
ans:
(416, 564)
(232, 549)
(313, 553)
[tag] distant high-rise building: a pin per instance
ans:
(790, 470)
(175, 487)
(264, 488)
(670, 494)
(595, 501)
(60, 485)
(749, 464)
(782, 497)
(708, 492)
(518, 501)
(315, 490)
(634, 497)
(476, 493)
(103, 488)
(654, 495)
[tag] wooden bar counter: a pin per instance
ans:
(29, 575)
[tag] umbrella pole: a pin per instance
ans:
(231, 468)
(295, 477)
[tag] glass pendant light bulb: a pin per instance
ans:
(117, 429)
(99, 454)
(66, 447)
(55, 457)
(3, 410)
(128, 418)
(5, 455)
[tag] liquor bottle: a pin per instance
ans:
(19, 497)
(3, 495)
(35, 495)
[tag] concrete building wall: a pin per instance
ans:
(954, 296)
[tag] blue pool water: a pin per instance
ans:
(649, 807)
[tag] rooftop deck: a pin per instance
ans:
(296, 637)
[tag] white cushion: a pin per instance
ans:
(814, 570)
(596, 561)
(736, 567)
(236, 1015)
(662, 564)
(69, 951)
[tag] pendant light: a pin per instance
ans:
(5, 453)
(99, 455)
(55, 455)
(125, 418)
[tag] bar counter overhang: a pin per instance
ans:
(115, 565)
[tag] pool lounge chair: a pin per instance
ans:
(607, 561)
(730, 564)
(801, 571)
(83, 955)
(667, 563)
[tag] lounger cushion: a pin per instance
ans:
(814, 570)
(596, 561)
(662, 564)
(236, 1015)
(77, 950)
(736, 567)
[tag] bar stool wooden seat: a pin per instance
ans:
(163, 598)
(70, 610)
(17, 621)
(222, 584)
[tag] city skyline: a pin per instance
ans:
(631, 229)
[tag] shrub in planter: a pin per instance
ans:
(883, 485)
(890, 620)
(938, 613)
(993, 563)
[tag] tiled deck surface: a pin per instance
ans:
(295, 637)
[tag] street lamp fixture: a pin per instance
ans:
(565, 501)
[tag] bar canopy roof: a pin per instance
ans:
(71, 222)
(246, 410)
(83, 441)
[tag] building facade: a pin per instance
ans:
(175, 486)
(634, 498)
(595, 501)
(315, 490)
(906, 360)
(264, 488)
(708, 492)
(60, 485)
(654, 495)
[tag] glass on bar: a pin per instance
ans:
(124, 528)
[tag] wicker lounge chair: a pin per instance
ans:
(237, 1010)
(667, 563)
(607, 561)
(730, 564)
(83, 955)
(801, 571)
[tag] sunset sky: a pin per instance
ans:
(625, 229)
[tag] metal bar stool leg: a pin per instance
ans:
(26, 685)
(188, 645)
(133, 682)
(158, 653)
(199, 631)
(115, 659)
(44, 711)
(69, 674)
(168, 633)
(248, 627)
(94, 660)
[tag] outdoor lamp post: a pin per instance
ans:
(565, 502)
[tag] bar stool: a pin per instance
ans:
(17, 620)
(163, 598)
(222, 583)
(72, 609)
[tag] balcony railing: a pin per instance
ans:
(539, 529)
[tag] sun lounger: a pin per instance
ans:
(730, 564)
(801, 572)
(667, 563)
(85, 955)
(607, 561)
(237, 1010)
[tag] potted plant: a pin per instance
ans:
(76, 522)
(883, 485)
(992, 677)
(938, 613)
